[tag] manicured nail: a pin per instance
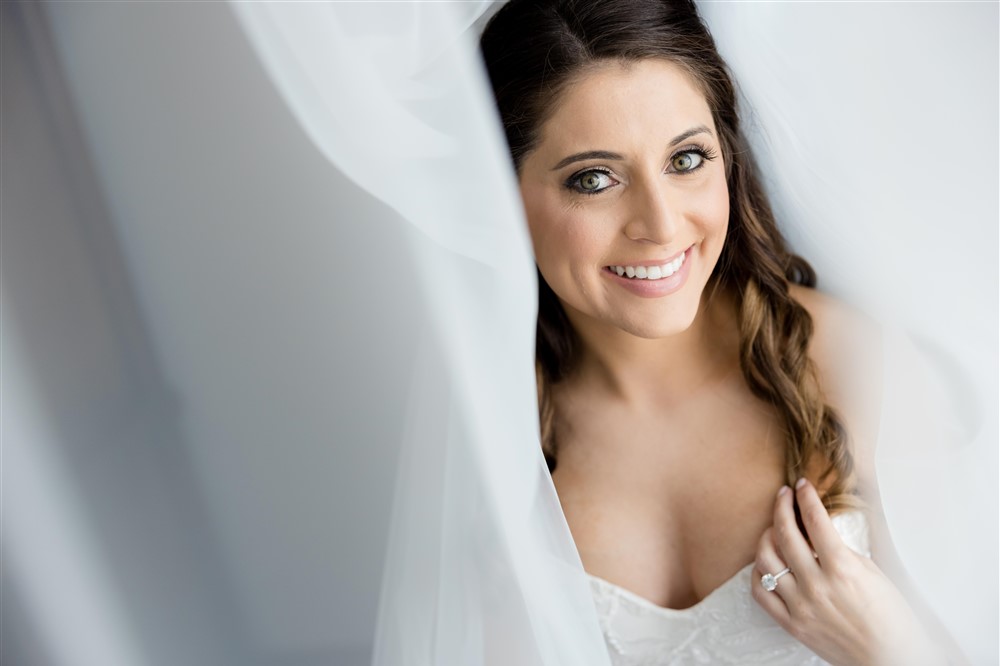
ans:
(801, 482)
(782, 490)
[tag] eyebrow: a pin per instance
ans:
(608, 155)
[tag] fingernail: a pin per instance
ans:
(801, 482)
(782, 490)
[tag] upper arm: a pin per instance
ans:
(846, 349)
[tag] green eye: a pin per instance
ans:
(590, 181)
(686, 161)
(593, 181)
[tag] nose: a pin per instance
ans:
(654, 214)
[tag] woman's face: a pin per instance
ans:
(628, 178)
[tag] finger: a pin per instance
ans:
(792, 546)
(768, 561)
(826, 541)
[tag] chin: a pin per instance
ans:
(661, 327)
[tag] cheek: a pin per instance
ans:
(561, 236)
(715, 209)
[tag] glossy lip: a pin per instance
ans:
(652, 263)
(654, 288)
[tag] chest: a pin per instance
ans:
(670, 503)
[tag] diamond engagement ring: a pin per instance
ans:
(770, 581)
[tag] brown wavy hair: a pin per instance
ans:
(534, 50)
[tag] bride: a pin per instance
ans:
(707, 429)
(288, 266)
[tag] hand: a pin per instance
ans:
(835, 601)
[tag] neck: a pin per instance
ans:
(662, 372)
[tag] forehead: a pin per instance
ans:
(624, 104)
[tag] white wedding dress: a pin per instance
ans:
(725, 628)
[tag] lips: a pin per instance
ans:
(647, 270)
(640, 284)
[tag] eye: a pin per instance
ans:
(592, 181)
(687, 161)
(691, 159)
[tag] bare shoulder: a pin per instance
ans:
(846, 348)
(838, 327)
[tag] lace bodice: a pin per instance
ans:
(726, 627)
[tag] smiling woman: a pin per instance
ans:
(678, 371)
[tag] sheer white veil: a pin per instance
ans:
(849, 105)
(332, 420)
(480, 564)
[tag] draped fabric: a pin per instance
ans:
(480, 566)
(269, 314)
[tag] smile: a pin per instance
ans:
(651, 272)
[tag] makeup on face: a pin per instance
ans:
(626, 197)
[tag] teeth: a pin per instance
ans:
(651, 272)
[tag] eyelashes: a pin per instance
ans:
(580, 182)
(595, 180)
